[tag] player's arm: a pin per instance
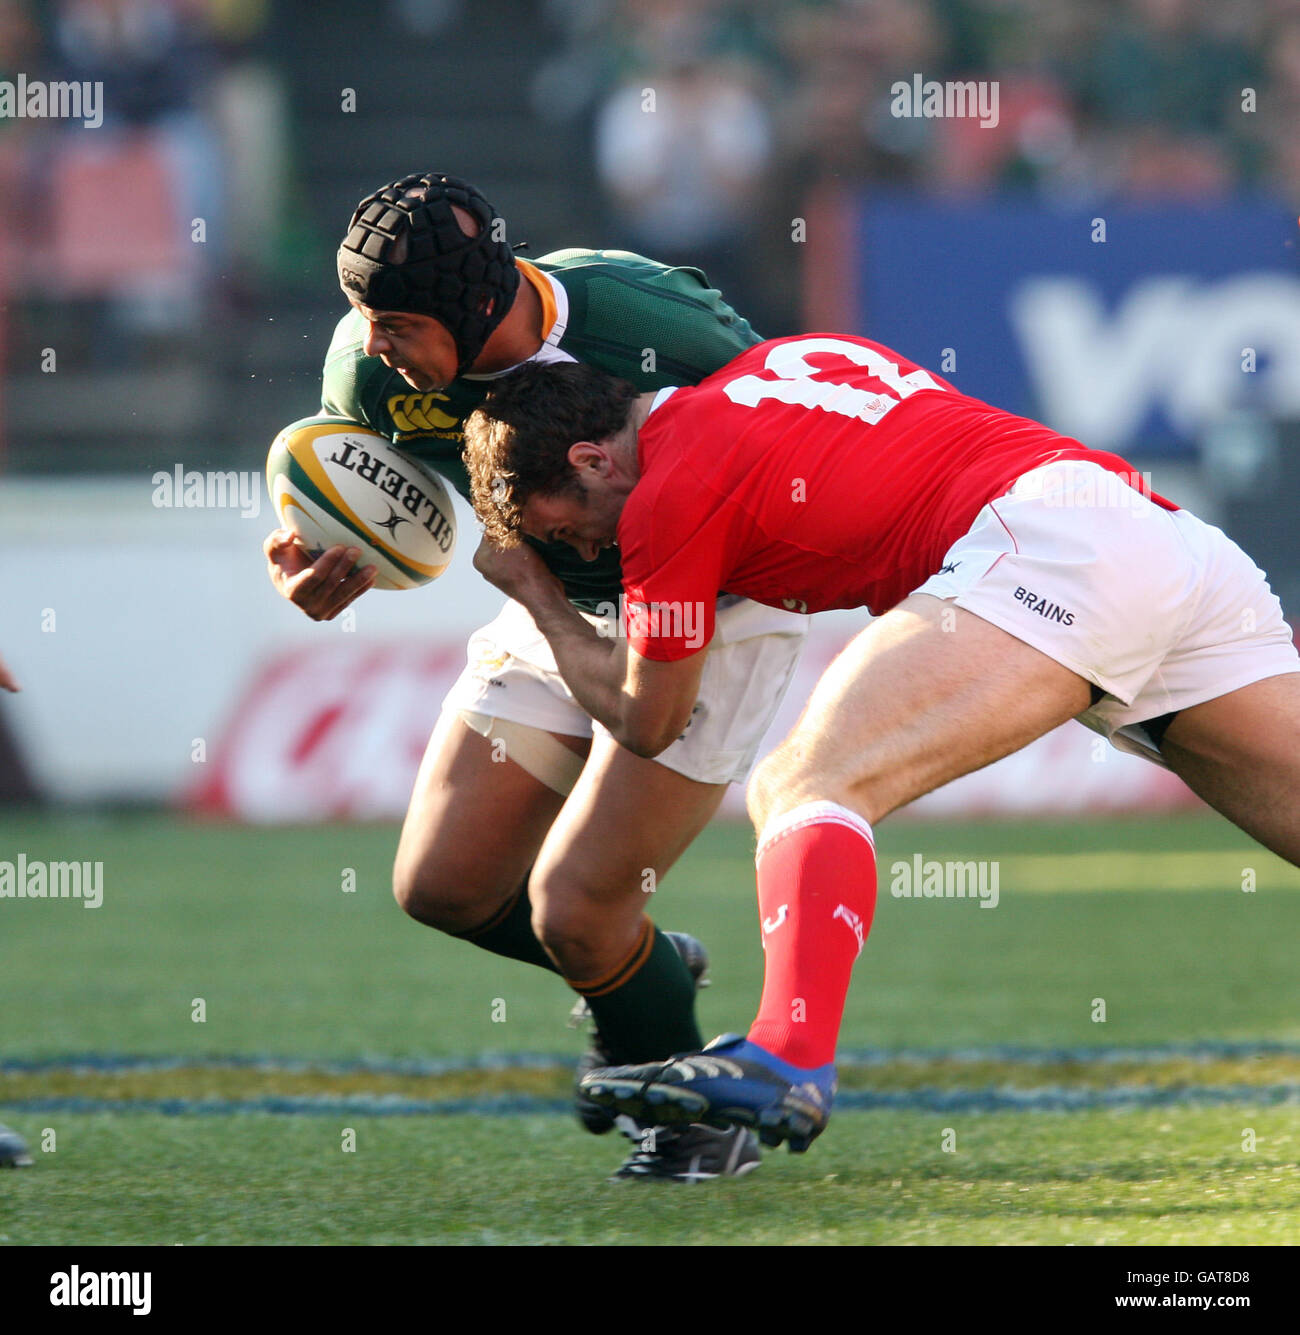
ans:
(645, 704)
(8, 681)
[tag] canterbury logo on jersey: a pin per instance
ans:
(416, 412)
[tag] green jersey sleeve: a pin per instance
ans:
(650, 324)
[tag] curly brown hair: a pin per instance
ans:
(517, 441)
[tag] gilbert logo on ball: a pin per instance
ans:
(333, 481)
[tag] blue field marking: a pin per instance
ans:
(1058, 1098)
(1047, 1099)
(325, 1105)
(1207, 1050)
(121, 1063)
(990, 1098)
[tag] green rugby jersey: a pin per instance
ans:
(625, 314)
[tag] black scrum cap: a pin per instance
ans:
(405, 251)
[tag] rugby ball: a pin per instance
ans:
(333, 481)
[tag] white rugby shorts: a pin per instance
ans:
(1155, 607)
(511, 675)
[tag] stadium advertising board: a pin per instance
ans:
(338, 734)
(1130, 328)
(268, 718)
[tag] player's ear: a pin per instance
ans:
(585, 454)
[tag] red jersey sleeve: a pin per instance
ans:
(672, 570)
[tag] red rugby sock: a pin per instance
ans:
(816, 895)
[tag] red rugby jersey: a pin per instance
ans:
(812, 472)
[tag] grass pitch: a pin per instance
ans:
(200, 1045)
(1172, 1176)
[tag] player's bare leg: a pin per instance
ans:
(925, 694)
(453, 871)
(625, 824)
(1241, 753)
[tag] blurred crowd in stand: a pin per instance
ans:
(713, 120)
(713, 129)
(129, 221)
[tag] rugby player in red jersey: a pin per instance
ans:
(1018, 580)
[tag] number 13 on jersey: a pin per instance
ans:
(789, 361)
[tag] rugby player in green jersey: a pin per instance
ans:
(440, 308)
